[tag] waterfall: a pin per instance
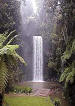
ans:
(30, 11)
(37, 59)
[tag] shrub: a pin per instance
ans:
(57, 102)
(20, 89)
(28, 90)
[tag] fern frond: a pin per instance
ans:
(3, 75)
(8, 49)
(10, 41)
(18, 57)
(11, 50)
(9, 37)
(10, 34)
(2, 39)
(66, 55)
(64, 74)
(70, 78)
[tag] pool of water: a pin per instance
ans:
(41, 85)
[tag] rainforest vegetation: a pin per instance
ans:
(61, 59)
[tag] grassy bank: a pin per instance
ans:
(27, 101)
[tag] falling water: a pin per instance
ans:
(38, 59)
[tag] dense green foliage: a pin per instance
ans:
(9, 15)
(62, 59)
(9, 59)
(8, 55)
(68, 54)
(68, 76)
(22, 89)
(69, 72)
(70, 50)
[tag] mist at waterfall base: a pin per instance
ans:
(33, 15)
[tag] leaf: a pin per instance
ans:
(19, 58)
(8, 49)
(12, 39)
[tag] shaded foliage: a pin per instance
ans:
(63, 42)
(9, 15)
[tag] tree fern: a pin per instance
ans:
(8, 55)
(68, 76)
(10, 50)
